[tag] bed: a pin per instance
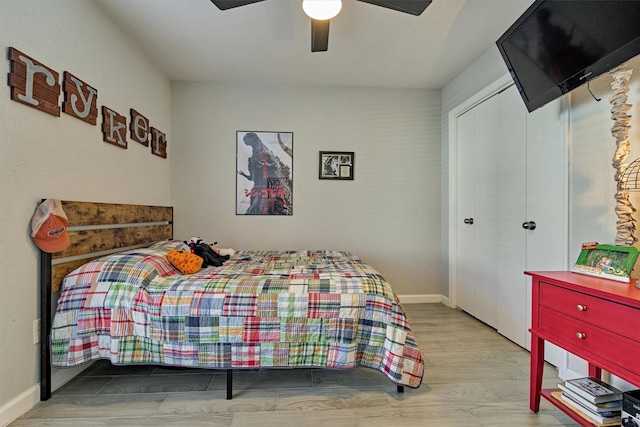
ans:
(122, 300)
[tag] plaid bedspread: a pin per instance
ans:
(260, 309)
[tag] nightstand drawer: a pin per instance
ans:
(614, 317)
(590, 339)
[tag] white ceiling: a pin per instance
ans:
(270, 42)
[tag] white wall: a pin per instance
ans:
(592, 185)
(389, 214)
(43, 156)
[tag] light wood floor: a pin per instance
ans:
(474, 377)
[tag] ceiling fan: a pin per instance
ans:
(320, 23)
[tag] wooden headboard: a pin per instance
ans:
(95, 230)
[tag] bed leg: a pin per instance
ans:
(229, 384)
(45, 325)
(400, 389)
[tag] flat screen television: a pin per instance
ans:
(556, 46)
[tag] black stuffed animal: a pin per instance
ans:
(204, 251)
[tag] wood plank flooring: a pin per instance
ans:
(474, 377)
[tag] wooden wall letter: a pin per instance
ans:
(114, 127)
(37, 86)
(158, 143)
(139, 128)
(33, 83)
(80, 99)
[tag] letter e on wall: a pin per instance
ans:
(139, 128)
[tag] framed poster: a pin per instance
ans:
(264, 179)
(336, 164)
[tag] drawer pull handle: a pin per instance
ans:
(581, 335)
(581, 307)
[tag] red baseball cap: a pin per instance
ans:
(49, 226)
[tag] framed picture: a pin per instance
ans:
(607, 261)
(337, 164)
(264, 178)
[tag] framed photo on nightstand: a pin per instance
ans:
(606, 261)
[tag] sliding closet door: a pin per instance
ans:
(547, 187)
(511, 244)
(466, 212)
(511, 183)
(477, 221)
(487, 227)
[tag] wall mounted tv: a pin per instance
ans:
(556, 46)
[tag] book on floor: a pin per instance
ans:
(593, 389)
(612, 406)
(558, 396)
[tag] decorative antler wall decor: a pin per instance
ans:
(624, 209)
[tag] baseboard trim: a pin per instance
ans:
(30, 398)
(19, 405)
(446, 301)
(420, 299)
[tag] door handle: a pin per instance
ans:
(468, 220)
(529, 225)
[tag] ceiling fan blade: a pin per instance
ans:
(230, 4)
(414, 7)
(319, 35)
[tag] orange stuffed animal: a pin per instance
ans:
(184, 261)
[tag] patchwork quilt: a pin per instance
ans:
(261, 309)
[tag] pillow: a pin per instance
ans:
(185, 261)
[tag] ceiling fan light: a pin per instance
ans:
(321, 9)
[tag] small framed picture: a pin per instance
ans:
(606, 261)
(337, 165)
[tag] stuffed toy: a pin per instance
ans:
(185, 262)
(224, 252)
(209, 256)
(220, 251)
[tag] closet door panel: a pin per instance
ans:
(466, 211)
(511, 245)
(487, 132)
(547, 170)
(512, 170)
(546, 188)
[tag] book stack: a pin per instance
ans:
(592, 398)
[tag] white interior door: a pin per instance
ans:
(512, 238)
(487, 145)
(466, 213)
(511, 169)
(547, 205)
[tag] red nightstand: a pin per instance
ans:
(595, 319)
